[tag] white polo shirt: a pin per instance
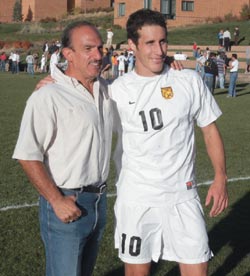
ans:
(235, 66)
(158, 116)
(69, 130)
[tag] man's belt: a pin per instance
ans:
(93, 189)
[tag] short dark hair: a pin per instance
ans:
(67, 33)
(235, 56)
(142, 18)
(212, 54)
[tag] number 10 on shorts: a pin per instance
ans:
(132, 244)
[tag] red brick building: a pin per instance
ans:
(180, 12)
(6, 10)
(40, 9)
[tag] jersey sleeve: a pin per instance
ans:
(206, 109)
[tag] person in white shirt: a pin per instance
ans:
(14, 62)
(121, 63)
(227, 40)
(110, 35)
(158, 212)
(64, 147)
(30, 64)
(234, 67)
(201, 60)
(43, 64)
(54, 60)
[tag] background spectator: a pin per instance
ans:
(3, 59)
(114, 63)
(110, 35)
(248, 59)
(54, 59)
(194, 49)
(43, 64)
(121, 64)
(30, 64)
(211, 71)
(220, 38)
(227, 40)
(236, 35)
(201, 60)
(234, 66)
(106, 64)
(221, 70)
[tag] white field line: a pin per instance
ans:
(26, 205)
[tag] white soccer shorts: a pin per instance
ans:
(175, 233)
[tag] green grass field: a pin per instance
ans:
(21, 250)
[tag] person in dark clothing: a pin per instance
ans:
(211, 71)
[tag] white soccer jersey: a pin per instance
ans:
(158, 116)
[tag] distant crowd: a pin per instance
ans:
(212, 66)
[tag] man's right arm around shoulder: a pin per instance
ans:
(63, 206)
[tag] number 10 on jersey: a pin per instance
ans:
(155, 118)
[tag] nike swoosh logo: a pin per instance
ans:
(131, 102)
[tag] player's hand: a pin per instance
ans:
(218, 194)
(44, 81)
(66, 209)
(174, 64)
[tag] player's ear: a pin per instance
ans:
(131, 45)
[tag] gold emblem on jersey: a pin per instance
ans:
(167, 92)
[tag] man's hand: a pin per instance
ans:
(44, 81)
(218, 194)
(66, 209)
(174, 64)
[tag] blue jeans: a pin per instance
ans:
(2, 65)
(71, 248)
(221, 80)
(232, 84)
(14, 67)
(30, 69)
(210, 81)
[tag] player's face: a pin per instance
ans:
(150, 51)
(85, 54)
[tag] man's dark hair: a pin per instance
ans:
(66, 35)
(235, 56)
(142, 18)
(212, 54)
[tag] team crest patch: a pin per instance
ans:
(167, 92)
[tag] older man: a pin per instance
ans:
(64, 148)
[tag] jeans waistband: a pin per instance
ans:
(100, 189)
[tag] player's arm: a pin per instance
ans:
(218, 190)
(63, 206)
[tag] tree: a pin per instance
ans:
(245, 12)
(29, 16)
(17, 11)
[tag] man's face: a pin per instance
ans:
(85, 55)
(150, 51)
